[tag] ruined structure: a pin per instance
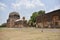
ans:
(15, 21)
(51, 20)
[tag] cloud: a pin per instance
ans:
(15, 6)
(2, 6)
(27, 4)
(55, 8)
(37, 3)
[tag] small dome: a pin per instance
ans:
(23, 18)
(14, 13)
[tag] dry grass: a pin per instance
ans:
(29, 34)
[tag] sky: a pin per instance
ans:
(26, 7)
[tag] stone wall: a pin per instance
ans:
(51, 19)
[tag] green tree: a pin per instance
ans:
(33, 17)
(35, 14)
(3, 25)
(41, 12)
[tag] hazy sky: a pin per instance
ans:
(26, 7)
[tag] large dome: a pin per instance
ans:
(14, 13)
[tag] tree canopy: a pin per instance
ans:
(3, 25)
(41, 12)
(34, 15)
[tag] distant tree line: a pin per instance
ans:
(3, 25)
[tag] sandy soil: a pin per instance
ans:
(29, 34)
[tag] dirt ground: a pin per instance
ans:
(29, 34)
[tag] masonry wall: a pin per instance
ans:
(49, 20)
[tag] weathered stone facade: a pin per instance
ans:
(51, 19)
(14, 21)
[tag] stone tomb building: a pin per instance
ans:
(14, 21)
(51, 19)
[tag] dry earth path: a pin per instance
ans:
(29, 34)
